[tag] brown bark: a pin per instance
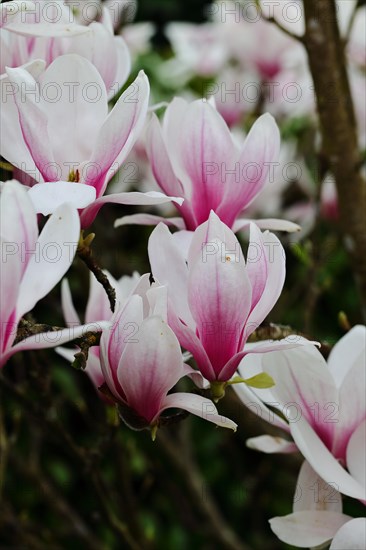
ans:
(338, 128)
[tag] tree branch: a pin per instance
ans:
(338, 127)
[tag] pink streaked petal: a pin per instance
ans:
(267, 223)
(47, 30)
(160, 162)
(350, 349)
(68, 309)
(200, 406)
(133, 198)
(149, 219)
(18, 220)
(189, 341)
(308, 529)
(313, 493)
(206, 151)
(219, 295)
(323, 462)
(33, 122)
(119, 132)
(80, 111)
(351, 536)
(356, 454)
(12, 145)
(55, 250)
(261, 147)
(290, 342)
(46, 340)
(269, 444)
(149, 368)
(352, 404)
(47, 197)
(301, 376)
(169, 267)
(266, 267)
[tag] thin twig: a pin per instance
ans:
(85, 254)
(184, 463)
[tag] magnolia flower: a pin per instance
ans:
(317, 516)
(52, 29)
(194, 155)
(142, 361)
(324, 405)
(97, 308)
(70, 136)
(216, 300)
(31, 265)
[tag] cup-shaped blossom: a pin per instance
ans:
(216, 299)
(31, 265)
(194, 155)
(141, 362)
(323, 403)
(193, 152)
(55, 126)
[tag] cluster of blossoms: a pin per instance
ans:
(206, 296)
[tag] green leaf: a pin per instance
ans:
(260, 381)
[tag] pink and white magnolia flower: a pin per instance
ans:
(70, 136)
(142, 361)
(51, 29)
(31, 265)
(194, 155)
(323, 403)
(216, 300)
(98, 308)
(317, 516)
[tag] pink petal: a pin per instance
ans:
(169, 268)
(356, 454)
(313, 493)
(308, 529)
(149, 219)
(80, 111)
(261, 148)
(119, 132)
(68, 309)
(124, 328)
(133, 198)
(302, 379)
(268, 444)
(322, 461)
(206, 151)
(350, 349)
(200, 406)
(149, 368)
(351, 536)
(53, 256)
(33, 122)
(12, 145)
(266, 223)
(159, 159)
(47, 197)
(219, 295)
